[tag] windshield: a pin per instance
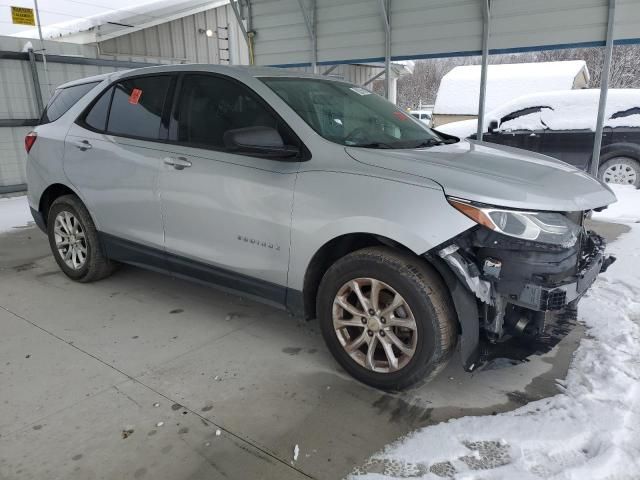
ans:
(351, 115)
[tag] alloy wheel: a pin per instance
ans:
(374, 325)
(70, 240)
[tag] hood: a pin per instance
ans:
(496, 175)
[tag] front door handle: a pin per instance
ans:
(179, 163)
(83, 145)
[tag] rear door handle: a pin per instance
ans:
(179, 163)
(83, 145)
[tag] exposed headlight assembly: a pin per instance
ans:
(545, 227)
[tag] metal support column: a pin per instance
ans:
(486, 23)
(310, 22)
(36, 81)
(604, 89)
(245, 34)
(385, 14)
(42, 50)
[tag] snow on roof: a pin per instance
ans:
(561, 110)
(460, 88)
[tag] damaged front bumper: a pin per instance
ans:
(516, 287)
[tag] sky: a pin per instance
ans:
(56, 11)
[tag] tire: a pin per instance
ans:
(96, 265)
(621, 167)
(427, 302)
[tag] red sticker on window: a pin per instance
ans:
(134, 98)
(400, 115)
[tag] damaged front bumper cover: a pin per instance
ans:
(519, 287)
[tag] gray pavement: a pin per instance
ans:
(145, 376)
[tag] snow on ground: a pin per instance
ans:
(14, 213)
(589, 431)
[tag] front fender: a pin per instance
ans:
(328, 205)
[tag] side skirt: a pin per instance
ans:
(151, 258)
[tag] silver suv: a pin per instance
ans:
(318, 196)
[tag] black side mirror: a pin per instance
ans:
(259, 141)
(493, 126)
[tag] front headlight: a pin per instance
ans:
(544, 227)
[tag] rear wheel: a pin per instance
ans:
(74, 241)
(386, 317)
(621, 170)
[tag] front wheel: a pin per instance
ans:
(386, 317)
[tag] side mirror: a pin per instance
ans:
(493, 126)
(259, 141)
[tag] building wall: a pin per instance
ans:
(18, 99)
(440, 119)
(180, 41)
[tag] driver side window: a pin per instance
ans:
(209, 106)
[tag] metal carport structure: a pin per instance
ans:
(313, 33)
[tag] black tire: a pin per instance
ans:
(427, 297)
(628, 156)
(96, 266)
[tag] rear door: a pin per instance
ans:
(113, 156)
(227, 216)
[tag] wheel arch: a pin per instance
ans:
(331, 251)
(50, 194)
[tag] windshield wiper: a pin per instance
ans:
(372, 145)
(432, 142)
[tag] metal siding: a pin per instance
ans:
(350, 30)
(17, 99)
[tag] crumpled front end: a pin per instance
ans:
(519, 285)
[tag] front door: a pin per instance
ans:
(227, 216)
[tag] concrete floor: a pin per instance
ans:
(144, 376)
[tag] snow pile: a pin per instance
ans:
(590, 431)
(14, 213)
(626, 209)
(460, 88)
(560, 110)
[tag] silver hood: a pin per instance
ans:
(496, 175)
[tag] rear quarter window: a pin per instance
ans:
(63, 99)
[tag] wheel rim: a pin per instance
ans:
(70, 240)
(374, 325)
(620, 172)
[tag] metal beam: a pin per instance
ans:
(330, 69)
(35, 80)
(486, 24)
(374, 78)
(310, 22)
(236, 13)
(21, 187)
(604, 89)
(385, 14)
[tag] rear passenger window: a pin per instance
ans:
(137, 106)
(96, 118)
(209, 106)
(63, 99)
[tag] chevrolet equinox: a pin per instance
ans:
(319, 196)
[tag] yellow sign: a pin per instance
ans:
(22, 16)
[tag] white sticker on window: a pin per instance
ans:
(360, 91)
